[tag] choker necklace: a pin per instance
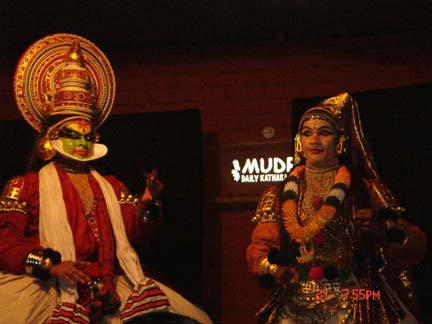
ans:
(323, 170)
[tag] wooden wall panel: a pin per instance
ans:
(241, 295)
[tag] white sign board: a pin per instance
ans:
(272, 169)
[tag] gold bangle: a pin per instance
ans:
(34, 260)
(264, 266)
(272, 269)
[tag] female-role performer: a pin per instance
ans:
(66, 231)
(332, 238)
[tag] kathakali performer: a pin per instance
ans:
(67, 232)
(332, 239)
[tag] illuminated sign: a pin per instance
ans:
(272, 169)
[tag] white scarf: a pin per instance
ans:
(55, 231)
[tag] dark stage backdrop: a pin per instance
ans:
(398, 128)
(168, 141)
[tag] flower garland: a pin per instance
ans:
(333, 201)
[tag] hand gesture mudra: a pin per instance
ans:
(154, 186)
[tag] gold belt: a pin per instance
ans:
(314, 293)
(315, 302)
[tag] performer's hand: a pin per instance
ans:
(71, 271)
(154, 186)
(285, 275)
(367, 223)
(363, 219)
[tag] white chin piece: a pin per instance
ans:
(99, 150)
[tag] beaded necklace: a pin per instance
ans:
(314, 188)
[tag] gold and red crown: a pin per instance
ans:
(74, 93)
(334, 110)
(62, 76)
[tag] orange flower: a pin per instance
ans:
(302, 234)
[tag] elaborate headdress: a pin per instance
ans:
(342, 112)
(62, 78)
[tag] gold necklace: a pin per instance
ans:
(313, 190)
(323, 170)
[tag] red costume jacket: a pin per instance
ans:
(19, 224)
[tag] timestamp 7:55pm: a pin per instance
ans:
(352, 294)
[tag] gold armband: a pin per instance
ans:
(13, 188)
(7, 205)
(10, 197)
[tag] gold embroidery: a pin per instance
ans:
(127, 198)
(10, 196)
(13, 188)
(7, 205)
(267, 207)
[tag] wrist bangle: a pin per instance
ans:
(272, 269)
(34, 259)
(266, 267)
(39, 263)
(263, 266)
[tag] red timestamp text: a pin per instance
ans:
(361, 294)
(351, 294)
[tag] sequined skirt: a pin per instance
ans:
(315, 302)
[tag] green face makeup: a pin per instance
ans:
(77, 139)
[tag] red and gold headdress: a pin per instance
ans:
(331, 110)
(60, 78)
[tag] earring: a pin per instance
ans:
(298, 150)
(340, 147)
(44, 149)
(297, 144)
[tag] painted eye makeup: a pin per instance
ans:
(326, 133)
(323, 132)
(67, 133)
(89, 137)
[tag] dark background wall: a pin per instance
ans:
(239, 87)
